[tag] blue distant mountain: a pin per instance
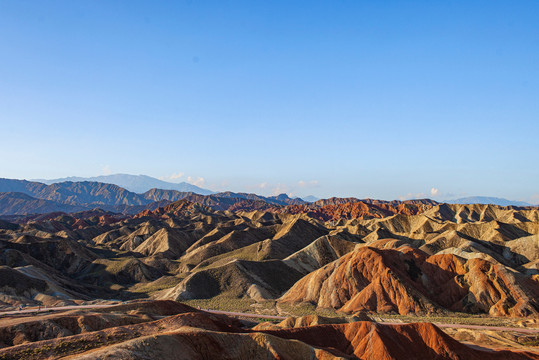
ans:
(135, 183)
(310, 198)
(487, 200)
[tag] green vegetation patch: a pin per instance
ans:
(306, 308)
(452, 318)
(223, 302)
(165, 282)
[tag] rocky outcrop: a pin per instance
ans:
(368, 340)
(258, 280)
(407, 280)
(320, 252)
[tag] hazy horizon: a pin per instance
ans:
(178, 180)
(380, 100)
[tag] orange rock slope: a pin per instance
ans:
(407, 280)
(369, 340)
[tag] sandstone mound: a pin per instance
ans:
(239, 278)
(367, 340)
(186, 344)
(407, 280)
(230, 241)
(167, 242)
(128, 270)
(523, 250)
(62, 254)
(319, 253)
(302, 321)
(458, 213)
(15, 286)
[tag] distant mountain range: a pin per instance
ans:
(487, 200)
(135, 183)
(17, 203)
(21, 197)
(310, 198)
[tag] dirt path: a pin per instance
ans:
(472, 327)
(47, 309)
(272, 317)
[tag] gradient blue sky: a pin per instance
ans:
(383, 99)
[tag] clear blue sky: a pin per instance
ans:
(383, 99)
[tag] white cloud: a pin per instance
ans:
(409, 196)
(279, 189)
(222, 186)
(311, 183)
(106, 170)
(434, 191)
(197, 181)
(172, 177)
(291, 189)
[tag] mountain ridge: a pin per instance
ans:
(78, 196)
(488, 200)
(135, 183)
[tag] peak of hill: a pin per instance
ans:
(75, 196)
(488, 200)
(336, 210)
(310, 198)
(342, 201)
(135, 183)
(281, 199)
(72, 196)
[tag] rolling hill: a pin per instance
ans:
(361, 259)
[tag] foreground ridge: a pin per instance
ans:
(145, 330)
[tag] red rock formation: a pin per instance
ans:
(354, 210)
(409, 281)
(368, 340)
(329, 211)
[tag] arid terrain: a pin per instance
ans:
(342, 278)
(171, 330)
